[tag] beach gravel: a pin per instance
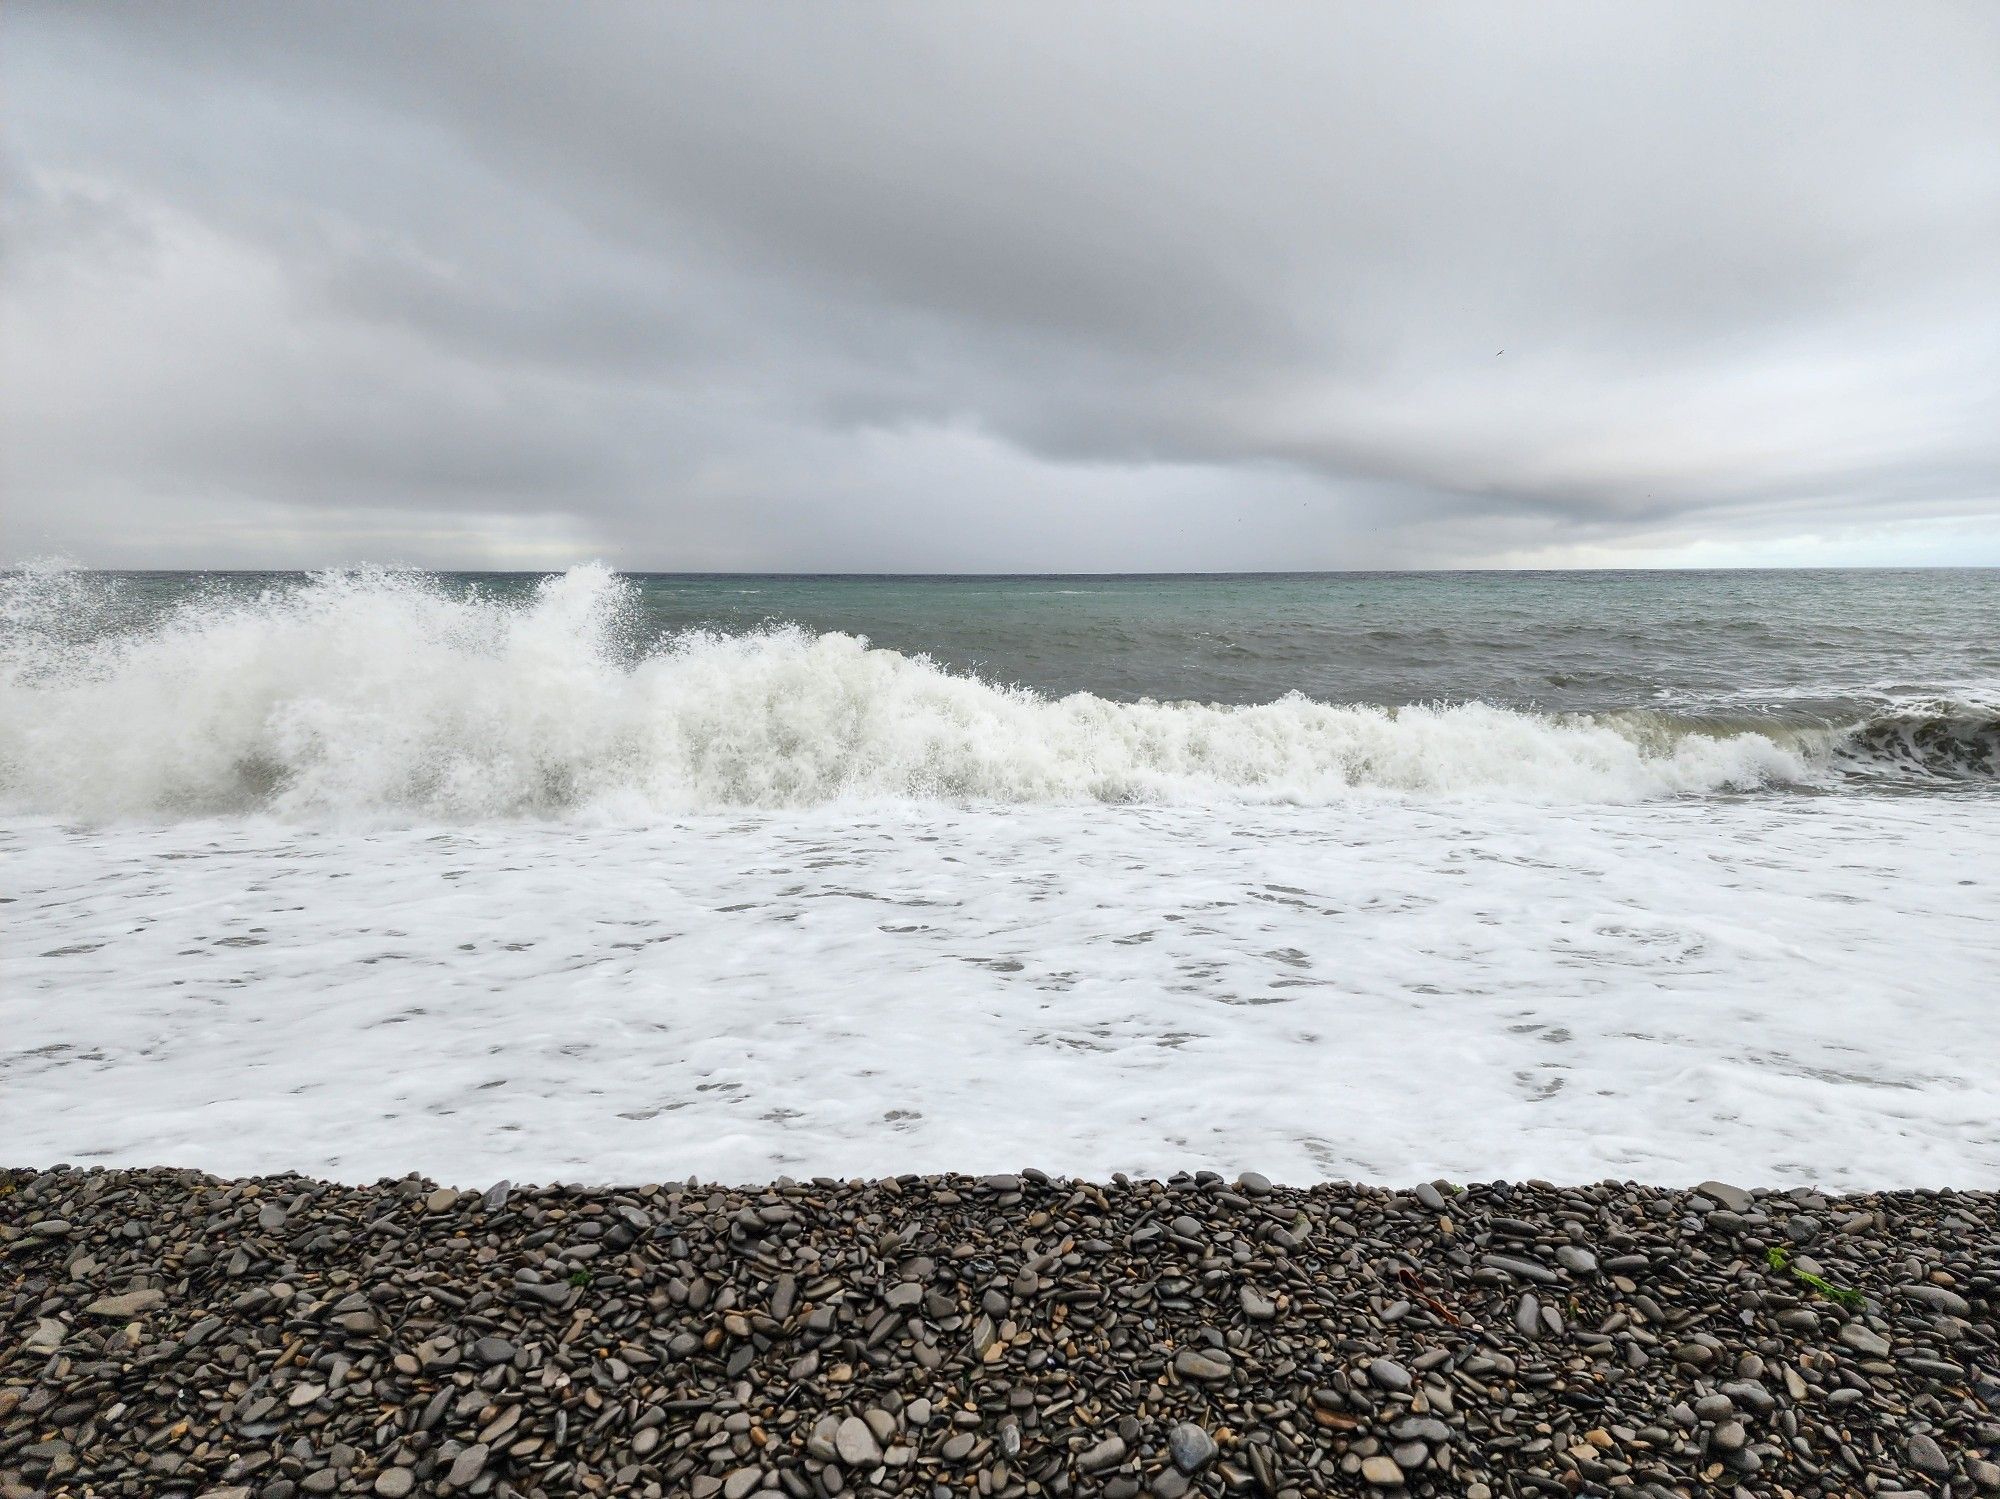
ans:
(167, 1333)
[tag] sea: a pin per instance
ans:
(1385, 877)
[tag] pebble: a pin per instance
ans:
(1735, 1199)
(856, 1444)
(1203, 1366)
(1191, 1447)
(493, 1350)
(986, 1338)
(1389, 1374)
(1576, 1260)
(1108, 1453)
(1926, 1455)
(1382, 1472)
(1864, 1340)
(468, 1465)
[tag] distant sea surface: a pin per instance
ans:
(1372, 875)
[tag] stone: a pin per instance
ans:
(1863, 1340)
(131, 1304)
(1938, 1299)
(1524, 1269)
(1389, 1375)
(492, 1349)
(1257, 1307)
(1210, 1367)
(1191, 1447)
(1382, 1472)
(739, 1483)
(1735, 1199)
(1926, 1456)
(47, 1337)
(468, 1465)
(1254, 1184)
(1108, 1453)
(856, 1444)
(394, 1483)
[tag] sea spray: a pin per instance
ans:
(378, 692)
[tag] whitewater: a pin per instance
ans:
(367, 872)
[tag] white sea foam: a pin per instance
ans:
(382, 693)
(1771, 990)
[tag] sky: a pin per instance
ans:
(1000, 287)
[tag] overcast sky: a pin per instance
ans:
(1004, 287)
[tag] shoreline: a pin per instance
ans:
(168, 1332)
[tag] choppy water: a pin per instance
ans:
(1656, 875)
(473, 696)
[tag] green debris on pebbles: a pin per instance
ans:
(166, 1333)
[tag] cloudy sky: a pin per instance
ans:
(1000, 287)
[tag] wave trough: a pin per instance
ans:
(380, 692)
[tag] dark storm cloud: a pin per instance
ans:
(1002, 287)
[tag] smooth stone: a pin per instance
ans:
(1863, 1340)
(1938, 1299)
(1525, 1269)
(1751, 1396)
(1191, 1446)
(1108, 1453)
(856, 1444)
(741, 1482)
(1734, 1198)
(1381, 1472)
(468, 1465)
(1254, 1184)
(129, 1305)
(394, 1483)
(1256, 1307)
(1203, 1366)
(1389, 1375)
(1926, 1455)
(1576, 1260)
(491, 1350)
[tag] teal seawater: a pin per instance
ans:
(1797, 644)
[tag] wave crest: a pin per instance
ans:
(384, 692)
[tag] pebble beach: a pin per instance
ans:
(170, 1333)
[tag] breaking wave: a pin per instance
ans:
(385, 692)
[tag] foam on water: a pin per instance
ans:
(375, 692)
(370, 873)
(1770, 990)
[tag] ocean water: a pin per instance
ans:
(1654, 875)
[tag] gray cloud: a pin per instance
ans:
(1010, 287)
